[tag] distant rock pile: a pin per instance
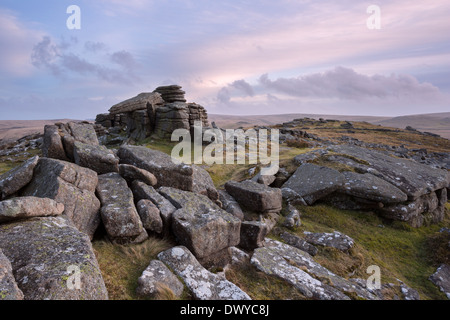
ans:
(159, 112)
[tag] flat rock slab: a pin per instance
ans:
(255, 196)
(200, 224)
(118, 212)
(157, 277)
(367, 186)
(203, 284)
(411, 177)
(289, 264)
(28, 207)
(44, 254)
(17, 178)
(441, 278)
(95, 157)
(72, 185)
(167, 173)
(336, 240)
(8, 286)
(313, 182)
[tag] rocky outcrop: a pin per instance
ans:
(159, 112)
(157, 277)
(71, 185)
(8, 286)
(118, 212)
(48, 255)
(167, 173)
(203, 284)
(14, 180)
(201, 225)
(28, 207)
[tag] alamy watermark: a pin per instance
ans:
(74, 20)
(73, 281)
(234, 146)
(374, 20)
(374, 281)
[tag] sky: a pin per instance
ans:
(235, 57)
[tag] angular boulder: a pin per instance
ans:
(441, 278)
(253, 234)
(52, 146)
(46, 253)
(200, 224)
(28, 207)
(150, 216)
(118, 212)
(203, 284)
(95, 157)
(8, 286)
(157, 277)
(167, 173)
(17, 178)
(255, 196)
(72, 185)
(313, 182)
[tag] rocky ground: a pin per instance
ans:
(137, 226)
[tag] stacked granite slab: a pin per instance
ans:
(172, 93)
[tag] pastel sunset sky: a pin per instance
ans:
(232, 57)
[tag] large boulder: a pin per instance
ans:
(167, 173)
(48, 255)
(17, 178)
(255, 196)
(204, 285)
(28, 207)
(370, 187)
(8, 286)
(118, 212)
(72, 185)
(157, 277)
(200, 224)
(83, 132)
(95, 157)
(140, 102)
(52, 146)
(313, 182)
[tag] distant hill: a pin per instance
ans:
(15, 129)
(438, 123)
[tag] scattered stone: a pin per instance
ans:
(95, 157)
(27, 207)
(71, 185)
(200, 224)
(336, 240)
(8, 286)
(230, 205)
(313, 182)
(156, 277)
(292, 220)
(299, 243)
(254, 196)
(150, 216)
(119, 215)
(203, 284)
(45, 253)
(17, 178)
(131, 173)
(441, 278)
(253, 234)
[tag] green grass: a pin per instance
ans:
(121, 266)
(402, 252)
